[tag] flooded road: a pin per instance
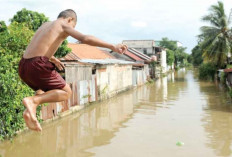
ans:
(144, 122)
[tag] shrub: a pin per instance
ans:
(207, 71)
(12, 45)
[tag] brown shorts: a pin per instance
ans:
(39, 73)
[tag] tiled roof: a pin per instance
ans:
(83, 51)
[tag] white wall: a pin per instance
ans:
(163, 60)
(113, 79)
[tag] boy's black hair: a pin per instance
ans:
(68, 13)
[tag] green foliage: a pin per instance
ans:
(12, 90)
(32, 19)
(197, 56)
(216, 38)
(13, 42)
(179, 54)
(3, 26)
(230, 92)
(16, 39)
(169, 44)
(207, 71)
(228, 66)
(223, 77)
(62, 50)
(170, 57)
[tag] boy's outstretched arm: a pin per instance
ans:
(93, 41)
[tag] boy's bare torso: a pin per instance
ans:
(46, 40)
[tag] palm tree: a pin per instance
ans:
(216, 38)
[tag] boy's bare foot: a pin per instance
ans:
(31, 110)
(31, 107)
(29, 123)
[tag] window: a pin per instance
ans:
(145, 51)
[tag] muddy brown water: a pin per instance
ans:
(143, 122)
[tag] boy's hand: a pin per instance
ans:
(120, 48)
(57, 63)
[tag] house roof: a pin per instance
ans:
(131, 55)
(85, 54)
(139, 54)
(83, 51)
(228, 70)
(106, 61)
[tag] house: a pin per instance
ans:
(94, 74)
(112, 75)
(140, 69)
(149, 48)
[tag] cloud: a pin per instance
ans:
(138, 24)
(115, 20)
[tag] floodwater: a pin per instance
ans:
(143, 122)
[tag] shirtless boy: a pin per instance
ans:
(38, 72)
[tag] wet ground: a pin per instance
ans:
(178, 116)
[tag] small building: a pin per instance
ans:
(112, 75)
(93, 75)
(149, 48)
(141, 69)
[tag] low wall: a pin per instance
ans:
(108, 81)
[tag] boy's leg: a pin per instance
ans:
(27, 117)
(55, 95)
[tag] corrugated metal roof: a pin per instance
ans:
(139, 54)
(70, 57)
(84, 51)
(131, 55)
(228, 70)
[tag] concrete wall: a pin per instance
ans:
(144, 46)
(112, 79)
(107, 82)
(84, 90)
(163, 61)
(140, 76)
(139, 43)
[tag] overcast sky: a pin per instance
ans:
(117, 20)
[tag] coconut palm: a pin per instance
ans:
(216, 38)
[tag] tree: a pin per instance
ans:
(32, 19)
(63, 50)
(216, 42)
(3, 26)
(197, 56)
(13, 43)
(169, 44)
(180, 56)
(170, 57)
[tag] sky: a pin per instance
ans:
(117, 20)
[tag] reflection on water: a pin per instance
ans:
(147, 121)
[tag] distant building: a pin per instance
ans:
(149, 48)
(145, 46)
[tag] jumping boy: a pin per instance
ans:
(38, 72)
